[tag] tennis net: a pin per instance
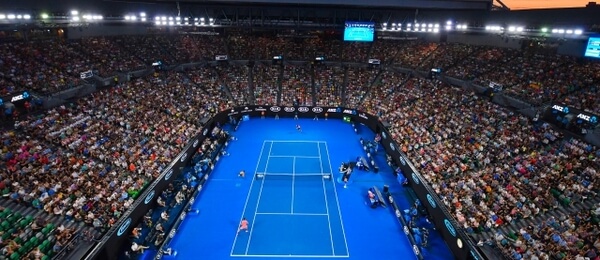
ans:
(295, 176)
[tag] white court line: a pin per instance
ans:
(293, 256)
(293, 181)
(294, 214)
(248, 197)
(262, 184)
(293, 156)
(293, 173)
(326, 203)
(294, 141)
(337, 200)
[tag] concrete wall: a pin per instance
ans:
(105, 30)
(572, 48)
(485, 40)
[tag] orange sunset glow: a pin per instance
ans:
(537, 4)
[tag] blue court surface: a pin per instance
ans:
(292, 201)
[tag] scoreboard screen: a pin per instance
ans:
(592, 49)
(359, 31)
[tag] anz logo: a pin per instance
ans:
(303, 109)
(317, 110)
(402, 161)
(183, 157)
(123, 228)
(431, 201)
(415, 178)
(275, 109)
(149, 197)
(416, 249)
(289, 109)
(383, 135)
(393, 147)
(450, 227)
(196, 143)
(561, 109)
(169, 174)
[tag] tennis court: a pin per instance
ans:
(292, 204)
(293, 211)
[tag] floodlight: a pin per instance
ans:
(385, 24)
(75, 18)
(143, 19)
(164, 18)
(127, 18)
(449, 22)
(74, 12)
(98, 17)
(436, 30)
(142, 14)
(2, 16)
(19, 16)
(578, 31)
(561, 30)
(520, 29)
(201, 18)
(430, 25)
(437, 25)
(512, 28)
(170, 22)
(211, 19)
(178, 18)
(11, 16)
(156, 18)
(171, 18)
(449, 27)
(164, 22)
(544, 30)
(569, 31)
(157, 22)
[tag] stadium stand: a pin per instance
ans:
(521, 185)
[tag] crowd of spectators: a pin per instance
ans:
(235, 78)
(265, 82)
(329, 82)
(296, 88)
(359, 83)
(110, 144)
(492, 167)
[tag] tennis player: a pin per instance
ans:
(299, 128)
(242, 174)
(243, 225)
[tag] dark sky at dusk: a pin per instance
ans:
(537, 4)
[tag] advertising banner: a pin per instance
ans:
(575, 120)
